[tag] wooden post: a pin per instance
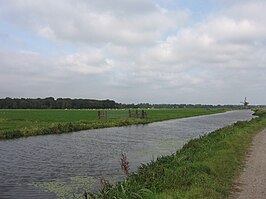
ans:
(99, 115)
(102, 115)
(142, 114)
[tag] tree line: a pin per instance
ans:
(207, 106)
(68, 103)
(51, 103)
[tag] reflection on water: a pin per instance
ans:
(95, 153)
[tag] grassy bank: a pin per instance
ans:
(203, 168)
(22, 123)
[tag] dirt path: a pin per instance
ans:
(252, 182)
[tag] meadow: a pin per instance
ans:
(16, 123)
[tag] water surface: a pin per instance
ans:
(96, 153)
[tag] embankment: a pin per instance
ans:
(203, 168)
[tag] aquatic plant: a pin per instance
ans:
(124, 164)
(72, 189)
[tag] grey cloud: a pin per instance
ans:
(23, 62)
(91, 22)
(122, 7)
(136, 59)
(185, 57)
(86, 63)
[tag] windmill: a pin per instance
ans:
(245, 103)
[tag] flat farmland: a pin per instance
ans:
(27, 122)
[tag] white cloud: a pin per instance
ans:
(47, 32)
(121, 22)
(220, 53)
(89, 63)
(139, 46)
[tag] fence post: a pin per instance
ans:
(102, 115)
(99, 115)
(142, 114)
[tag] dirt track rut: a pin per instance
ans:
(252, 182)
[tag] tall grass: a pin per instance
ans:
(203, 168)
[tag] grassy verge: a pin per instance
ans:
(22, 123)
(203, 168)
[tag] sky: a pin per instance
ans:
(134, 51)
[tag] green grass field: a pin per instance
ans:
(20, 122)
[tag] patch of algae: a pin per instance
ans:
(73, 189)
(173, 143)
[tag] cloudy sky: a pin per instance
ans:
(161, 51)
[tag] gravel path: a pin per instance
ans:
(252, 182)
